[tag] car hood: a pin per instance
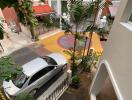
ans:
(58, 58)
(10, 88)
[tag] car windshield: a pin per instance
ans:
(20, 80)
(50, 61)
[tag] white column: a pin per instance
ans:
(59, 11)
(49, 2)
(59, 7)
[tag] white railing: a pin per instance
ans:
(57, 88)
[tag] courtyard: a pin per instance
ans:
(59, 42)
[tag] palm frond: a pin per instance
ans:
(66, 26)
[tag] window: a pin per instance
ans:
(20, 80)
(50, 61)
(40, 74)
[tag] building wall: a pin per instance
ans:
(118, 49)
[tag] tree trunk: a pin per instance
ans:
(84, 47)
(32, 32)
(91, 33)
(74, 48)
(90, 39)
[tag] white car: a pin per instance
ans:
(35, 74)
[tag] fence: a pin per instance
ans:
(57, 88)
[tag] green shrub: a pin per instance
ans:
(75, 80)
(24, 96)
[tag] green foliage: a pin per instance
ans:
(80, 15)
(47, 21)
(8, 69)
(24, 96)
(74, 69)
(102, 32)
(1, 31)
(90, 60)
(25, 7)
(66, 26)
(78, 11)
(7, 3)
(75, 81)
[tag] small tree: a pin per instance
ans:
(90, 61)
(79, 13)
(25, 8)
(8, 69)
(93, 27)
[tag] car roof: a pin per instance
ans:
(34, 66)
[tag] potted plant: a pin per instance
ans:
(75, 81)
(103, 34)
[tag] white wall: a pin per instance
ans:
(118, 49)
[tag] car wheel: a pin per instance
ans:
(33, 92)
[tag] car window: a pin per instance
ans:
(20, 80)
(50, 61)
(40, 73)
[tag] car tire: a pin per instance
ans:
(33, 92)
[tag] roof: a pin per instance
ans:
(34, 66)
(42, 9)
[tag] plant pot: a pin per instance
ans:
(103, 39)
(75, 85)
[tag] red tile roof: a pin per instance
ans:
(42, 9)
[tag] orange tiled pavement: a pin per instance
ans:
(51, 44)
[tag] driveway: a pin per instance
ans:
(28, 53)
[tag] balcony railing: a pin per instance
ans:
(57, 88)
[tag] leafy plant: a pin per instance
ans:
(79, 13)
(75, 81)
(8, 69)
(102, 32)
(90, 61)
(24, 96)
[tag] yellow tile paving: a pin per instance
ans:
(2, 96)
(51, 43)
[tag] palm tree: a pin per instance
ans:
(25, 7)
(79, 14)
(97, 7)
(80, 17)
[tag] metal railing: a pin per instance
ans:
(57, 88)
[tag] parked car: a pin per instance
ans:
(35, 74)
